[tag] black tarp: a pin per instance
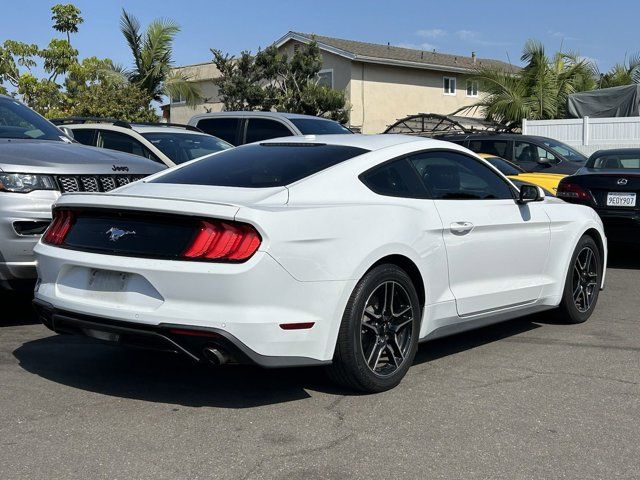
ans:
(607, 102)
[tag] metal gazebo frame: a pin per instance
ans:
(433, 124)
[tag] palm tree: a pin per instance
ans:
(152, 57)
(537, 91)
(626, 73)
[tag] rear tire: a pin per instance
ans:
(582, 285)
(378, 336)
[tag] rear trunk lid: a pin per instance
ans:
(607, 185)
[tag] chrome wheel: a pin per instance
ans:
(387, 328)
(585, 279)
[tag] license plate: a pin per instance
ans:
(620, 199)
(107, 281)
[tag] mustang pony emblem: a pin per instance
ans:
(116, 234)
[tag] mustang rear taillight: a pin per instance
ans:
(572, 190)
(59, 228)
(225, 241)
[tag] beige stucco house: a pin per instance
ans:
(382, 83)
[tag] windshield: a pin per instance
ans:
(565, 150)
(19, 121)
(505, 167)
(630, 161)
(261, 165)
(182, 147)
(316, 126)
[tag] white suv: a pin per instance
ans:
(166, 143)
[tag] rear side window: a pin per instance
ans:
(223, 127)
(395, 179)
(259, 129)
(490, 147)
(312, 126)
(261, 165)
(86, 136)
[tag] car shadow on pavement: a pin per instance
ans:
(167, 378)
(16, 309)
(624, 256)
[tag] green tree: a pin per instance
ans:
(271, 80)
(625, 73)
(66, 18)
(537, 91)
(152, 58)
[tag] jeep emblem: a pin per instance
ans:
(117, 168)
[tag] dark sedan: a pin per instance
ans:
(610, 183)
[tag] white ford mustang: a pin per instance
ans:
(342, 250)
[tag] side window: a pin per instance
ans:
(86, 136)
(528, 152)
(223, 127)
(122, 143)
(395, 179)
(263, 129)
(454, 176)
(490, 147)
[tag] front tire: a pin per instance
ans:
(378, 336)
(582, 284)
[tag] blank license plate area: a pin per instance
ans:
(621, 199)
(107, 281)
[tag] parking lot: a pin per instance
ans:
(525, 399)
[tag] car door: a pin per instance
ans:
(496, 248)
(124, 143)
(533, 158)
(86, 136)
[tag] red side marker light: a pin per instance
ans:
(297, 326)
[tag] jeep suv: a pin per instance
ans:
(239, 128)
(38, 162)
(167, 143)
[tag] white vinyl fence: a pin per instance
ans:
(588, 134)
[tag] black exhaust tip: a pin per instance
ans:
(214, 356)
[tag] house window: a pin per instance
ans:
(449, 85)
(472, 88)
(325, 78)
(178, 98)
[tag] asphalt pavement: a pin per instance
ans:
(526, 399)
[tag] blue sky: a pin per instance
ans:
(603, 31)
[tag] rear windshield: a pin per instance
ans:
(261, 165)
(616, 161)
(312, 126)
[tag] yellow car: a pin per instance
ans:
(548, 181)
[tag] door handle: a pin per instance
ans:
(461, 228)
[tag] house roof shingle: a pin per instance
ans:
(362, 51)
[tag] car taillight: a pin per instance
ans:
(572, 190)
(226, 241)
(59, 228)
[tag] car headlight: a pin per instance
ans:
(25, 182)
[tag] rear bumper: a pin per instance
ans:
(245, 303)
(187, 341)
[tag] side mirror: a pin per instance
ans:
(68, 132)
(530, 193)
(543, 160)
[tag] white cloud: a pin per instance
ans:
(417, 46)
(431, 33)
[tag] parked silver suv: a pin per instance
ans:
(38, 162)
(239, 128)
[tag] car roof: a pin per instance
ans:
(493, 136)
(367, 142)
(135, 127)
(260, 114)
(615, 151)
